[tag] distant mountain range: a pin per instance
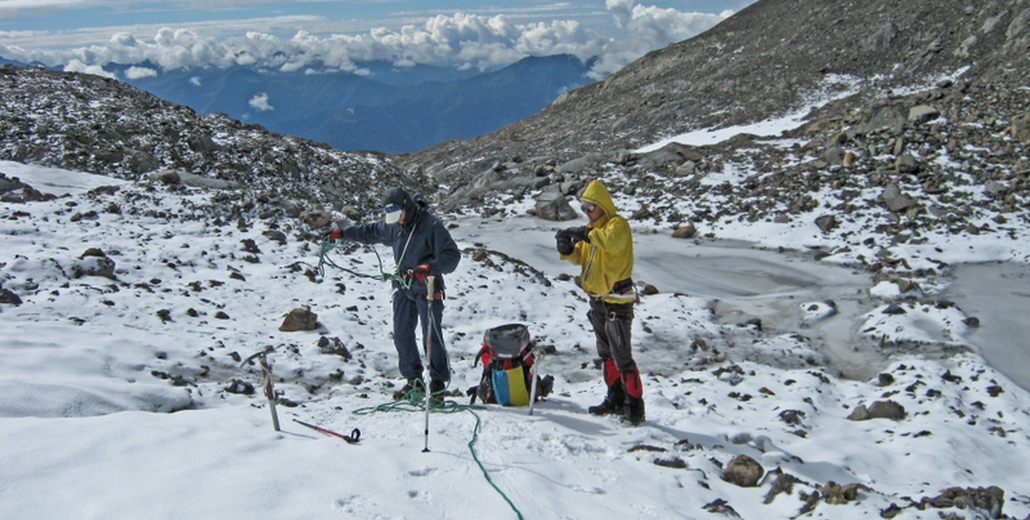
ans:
(385, 108)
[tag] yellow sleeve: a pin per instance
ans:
(614, 237)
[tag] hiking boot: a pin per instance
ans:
(436, 391)
(405, 393)
(634, 411)
(614, 403)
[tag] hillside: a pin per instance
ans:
(98, 125)
(771, 59)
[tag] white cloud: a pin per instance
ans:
(96, 70)
(140, 72)
(195, 81)
(260, 103)
(460, 40)
(648, 28)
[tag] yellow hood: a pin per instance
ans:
(596, 193)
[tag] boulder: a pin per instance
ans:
(168, 177)
(93, 262)
(906, 163)
(743, 471)
(687, 231)
(551, 206)
(922, 113)
(895, 200)
(7, 296)
(878, 410)
(883, 119)
(300, 318)
(826, 223)
(316, 219)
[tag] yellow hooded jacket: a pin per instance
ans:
(608, 258)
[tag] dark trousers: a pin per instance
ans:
(408, 311)
(612, 324)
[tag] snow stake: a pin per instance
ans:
(266, 372)
(538, 356)
(353, 438)
(430, 280)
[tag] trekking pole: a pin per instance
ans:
(429, 352)
(353, 438)
(537, 356)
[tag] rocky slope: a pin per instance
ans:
(97, 125)
(770, 59)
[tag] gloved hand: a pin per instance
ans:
(578, 234)
(335, 234)
(419, 273)
(563, 242)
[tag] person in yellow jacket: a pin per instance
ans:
(604, 251)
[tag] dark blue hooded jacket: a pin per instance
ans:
(430, 243)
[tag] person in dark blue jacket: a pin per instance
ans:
(422, 247)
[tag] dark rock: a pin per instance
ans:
(554, 207)
(743, 471)
(826, 223)
(895, 200)
(168, 177)
(299, 319)
(6, 296)
(878, 410)
(687, 231)
(922, 113)
(238, 386)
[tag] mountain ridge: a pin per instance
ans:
(764, 61)
(340, 108)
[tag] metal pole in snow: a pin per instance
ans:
(430, 280)
(269, 390)
(537, 355)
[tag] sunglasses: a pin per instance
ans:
(392, 208)
(588, 207)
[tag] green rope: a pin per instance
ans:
(414, 401)
(323, 260)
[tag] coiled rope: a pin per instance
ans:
(414, 400)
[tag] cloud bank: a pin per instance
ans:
(460, 40)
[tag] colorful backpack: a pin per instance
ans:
(507, 359)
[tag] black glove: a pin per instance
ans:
(564, 244)
(578, 234)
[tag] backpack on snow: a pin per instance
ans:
(507, 357)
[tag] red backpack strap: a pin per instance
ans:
(486, 353)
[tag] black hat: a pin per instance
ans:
(395, 200)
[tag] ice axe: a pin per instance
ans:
(266, 372)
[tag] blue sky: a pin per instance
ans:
(91, 34)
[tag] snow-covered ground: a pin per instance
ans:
(112, 411)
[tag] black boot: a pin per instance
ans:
(614, 403)
(634, 411)
(436, 389)
(405, 394)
